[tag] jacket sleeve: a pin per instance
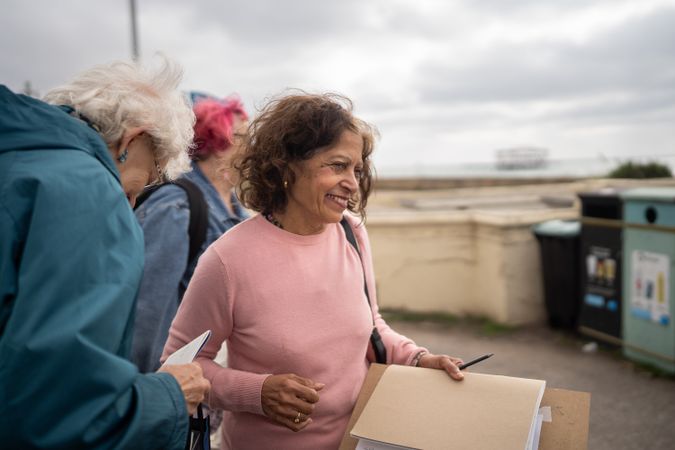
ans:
(400, 349)
(70, 256)
(165, 219)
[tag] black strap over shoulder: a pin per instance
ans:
(375, 339)
(199, 213)
(352, 240)
(199, 217)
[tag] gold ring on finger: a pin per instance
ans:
(297, 418)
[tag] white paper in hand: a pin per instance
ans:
(186, 354)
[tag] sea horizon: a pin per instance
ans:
(551, 168)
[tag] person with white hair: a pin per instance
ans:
(71, 260)
(168, 216)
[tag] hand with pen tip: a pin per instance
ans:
(474, 361)
(453, 366)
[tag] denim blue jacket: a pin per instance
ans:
(165, 217)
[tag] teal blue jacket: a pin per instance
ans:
(71, 260)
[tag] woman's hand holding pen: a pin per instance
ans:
(443, 362)
(289, 399)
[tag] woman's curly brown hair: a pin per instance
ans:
(294, 128)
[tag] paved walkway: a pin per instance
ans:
(630, 408)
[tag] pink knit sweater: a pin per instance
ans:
(284, 303)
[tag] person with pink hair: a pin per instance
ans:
(165, 217)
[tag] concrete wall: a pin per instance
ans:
(468, 262)
(461, 263)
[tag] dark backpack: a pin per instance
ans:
(199, 213)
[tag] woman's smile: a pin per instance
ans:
(339, 200)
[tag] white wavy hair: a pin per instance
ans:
(121, 95)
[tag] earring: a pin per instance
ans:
(123, 157)
(285, 184)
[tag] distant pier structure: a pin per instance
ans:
(521, 158)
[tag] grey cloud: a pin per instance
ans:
(624, 76)
(49, 42)
(635, 56)
(644, 108)
(518, 6)
(270, 22)
(453, 19)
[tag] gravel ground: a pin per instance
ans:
(631, 408)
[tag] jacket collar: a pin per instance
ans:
(28, 123)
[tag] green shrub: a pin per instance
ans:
(630, 169)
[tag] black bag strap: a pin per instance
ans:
(199, 213)
(199, 217)
(352, 240)
(375, 339)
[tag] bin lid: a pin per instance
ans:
(604, 203)
(607, 194)
(560, 228)
(654, 194)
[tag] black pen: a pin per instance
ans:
(474, 361)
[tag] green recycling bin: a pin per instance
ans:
(648, 269)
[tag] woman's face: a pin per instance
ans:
(324, 184)
(140, 168)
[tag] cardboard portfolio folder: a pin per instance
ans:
(568, 428)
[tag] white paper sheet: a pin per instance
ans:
(366, 444)
(187, 353)
(534, 444)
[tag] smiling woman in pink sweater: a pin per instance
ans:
(285, 288)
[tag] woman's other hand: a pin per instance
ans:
(443, 362)
(289, 399)
(192, 382)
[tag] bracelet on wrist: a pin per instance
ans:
(416, 360)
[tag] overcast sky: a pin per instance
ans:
(444, 81)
